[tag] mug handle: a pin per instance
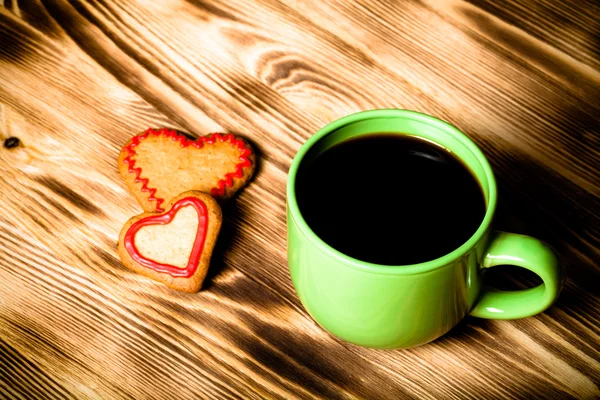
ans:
(529, 253)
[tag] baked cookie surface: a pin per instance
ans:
(159, 164)
(173, 247)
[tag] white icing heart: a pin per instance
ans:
(170, 243)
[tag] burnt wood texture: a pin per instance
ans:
(79, 78)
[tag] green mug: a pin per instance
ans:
(399, 307)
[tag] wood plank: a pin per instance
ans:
(78, 78)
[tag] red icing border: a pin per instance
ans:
(166, 218)
(219, 190)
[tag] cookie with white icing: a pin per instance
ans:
(173, 247)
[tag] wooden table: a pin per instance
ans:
(78, 78)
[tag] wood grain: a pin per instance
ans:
(78, 78)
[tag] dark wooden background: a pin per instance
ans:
(78, 78)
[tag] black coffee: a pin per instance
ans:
(390, 199)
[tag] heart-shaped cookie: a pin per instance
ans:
(159, 164)
(173, 247)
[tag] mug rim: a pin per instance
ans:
(390, 113)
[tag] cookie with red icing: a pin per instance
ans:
(173, 247)
(158, 164)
